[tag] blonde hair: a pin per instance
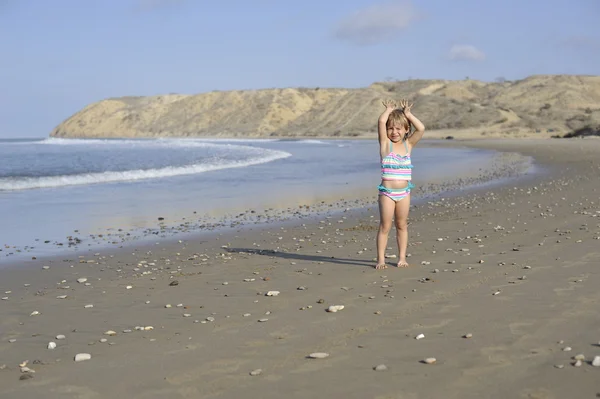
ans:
(397, 117)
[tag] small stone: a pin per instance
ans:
(430, 360)
(559, 366)
(580, 356)
(420, 336)
(45, 267)
(61, 297)
(80, 357)
(256, 372)
(12, 341)
(173, 283)
(51, 345)
(596, 361)
(321, 301)
(577, 363)
(82, 280)
(262, 320)
(129, 287)
(168, 306)
(272, 293)
(187, 315)
(567, 349)
(335, 308)
(469, 335)
(111, 333)
(380, 367)
(88, 306)
(103, 340)
(34, 313)
(318, 355)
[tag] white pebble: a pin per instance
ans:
(318, 355)
(273, 293)
(60, 336)
(34, 313)
(45, 267)
(380, 367)
(256, 372)
(51, 345)
(469, 335)
(420, 336)
(80, 357)
(81, 280)
(596, 361)
(335, 308)
(430, 360)
(88, 306)
(110, 332)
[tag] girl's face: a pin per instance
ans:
(396, 133)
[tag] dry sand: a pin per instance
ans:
(516, 266)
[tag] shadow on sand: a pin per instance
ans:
(301, 257)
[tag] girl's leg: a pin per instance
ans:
(386, 213)
(401, 218)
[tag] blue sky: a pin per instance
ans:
(56, 56)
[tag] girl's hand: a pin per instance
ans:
(389, 105)
(406, 106)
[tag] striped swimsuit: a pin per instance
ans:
(396, 167)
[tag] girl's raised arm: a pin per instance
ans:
(417, 135)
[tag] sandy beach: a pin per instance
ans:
(503, 287)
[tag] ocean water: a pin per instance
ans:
(54, 188)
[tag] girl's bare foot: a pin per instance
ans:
(380, 266)
(402, 263)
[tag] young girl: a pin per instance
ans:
(395, 146)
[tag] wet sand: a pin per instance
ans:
(514, 266)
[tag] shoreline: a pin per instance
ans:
(503, 168)
(512, 265)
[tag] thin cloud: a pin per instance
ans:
(465, 52)
(377, 23)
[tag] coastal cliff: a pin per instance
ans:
(540, 104)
